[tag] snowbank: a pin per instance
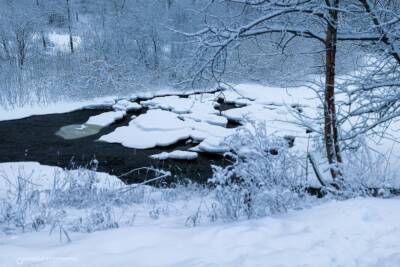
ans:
(357, 232)
(126, 105)
(42, 177)
(54, 108)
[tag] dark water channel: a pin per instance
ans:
(33, 139)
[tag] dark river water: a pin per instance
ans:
(34, 139)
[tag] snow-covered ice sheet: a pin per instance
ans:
(106, 118)
(159, 120)
(162, 128)
(197, 107)
(268, 95)
(173, 103)
(208, 118)
(351, 233)
(154, 128)
(135, 137)
(126, 105)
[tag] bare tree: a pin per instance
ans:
(329, 22)
(71, 42)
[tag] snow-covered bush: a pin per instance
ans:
(366, 173)
(264, 178)
(83, 200)
(21, 207)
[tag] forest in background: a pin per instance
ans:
(121, 46)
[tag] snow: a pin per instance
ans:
(200, 108)
(356, 232)
(208, 118)
(268, 95)
(154, 128)
(173, 103)
(106, 118)
(54, 108)
(126, 105)
(41, 176)
(135, 137)
(177, 154)
(192, 116)
(211, 144)
(278, 121)
(263, 104)
(211, 136)
(159, 120)
(162, 128)
(61, 41)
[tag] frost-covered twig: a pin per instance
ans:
(162, 174)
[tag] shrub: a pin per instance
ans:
(264, 178)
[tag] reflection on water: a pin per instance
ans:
(75, 131)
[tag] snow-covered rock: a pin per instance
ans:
(177, 154)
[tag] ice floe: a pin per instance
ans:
(154, 128)
(172, 118)
(93, 125)
(106, 118)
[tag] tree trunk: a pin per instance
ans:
(6, 49)
(44, 43)
(330, 131)
(71, 42)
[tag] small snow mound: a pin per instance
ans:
(177, 154)
(173, 103)
(159, 120)
(126, 105)
(211, 145)
(107, 118)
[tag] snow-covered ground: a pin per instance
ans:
(42, 177)
(355, 232)
(352, 233)
(60, 42)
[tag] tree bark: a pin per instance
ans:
(71, 42)
(330, 130)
